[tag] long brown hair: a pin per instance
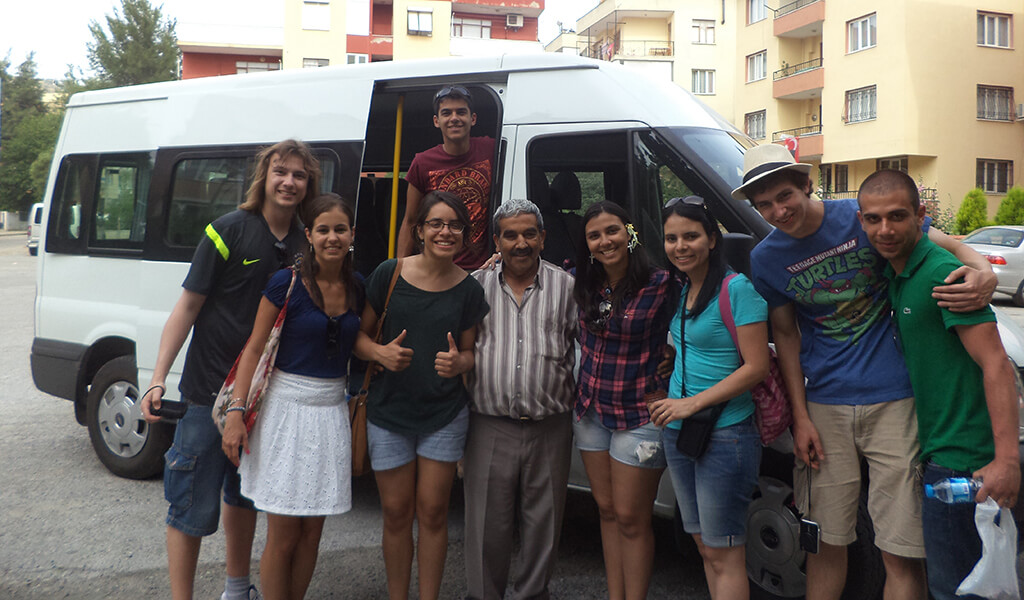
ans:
(257, 195)
(309, 267)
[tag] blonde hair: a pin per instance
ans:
(256, 194)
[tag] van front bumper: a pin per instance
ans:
(56, 365)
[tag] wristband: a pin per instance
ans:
(237, 402)
(234, 409)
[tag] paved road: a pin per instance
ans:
(70, 529)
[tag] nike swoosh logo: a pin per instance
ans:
(249, 261)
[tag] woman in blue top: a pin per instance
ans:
(714, 490)
(297, 465)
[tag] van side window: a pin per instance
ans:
(202, 190)
(71, 193)
(656, 183)
(567, 174)
(119, 215)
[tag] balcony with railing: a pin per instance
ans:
(606, 50)
(800, 81)
(811, 142)
(800, 19)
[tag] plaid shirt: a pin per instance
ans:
(618, 365)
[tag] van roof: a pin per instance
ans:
(581, 90)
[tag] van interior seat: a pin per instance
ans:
(563, 225)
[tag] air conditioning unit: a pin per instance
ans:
(514, 21)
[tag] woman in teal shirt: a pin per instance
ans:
(713, 491)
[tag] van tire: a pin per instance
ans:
(778, 520)
(124, 442)
(33, 251)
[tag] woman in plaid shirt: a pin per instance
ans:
(625, 308)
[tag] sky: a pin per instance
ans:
(58, 30)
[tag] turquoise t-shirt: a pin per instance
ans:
(710, 353)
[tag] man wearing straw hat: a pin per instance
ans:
(830, 314)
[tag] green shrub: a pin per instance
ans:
(973, 212)
(1011, 209)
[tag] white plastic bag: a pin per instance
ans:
(995, 575)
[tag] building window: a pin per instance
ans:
(315, 63)
(703, 82)
(421, 21)
(861, 33)
(756, 11)
(757, 66)
(898, 163)
(316, 15)
(357, 59)
(753, 124)
(479, 29)
(995, 103)
(995, 176)
(993, 30)
(842, 178)
(703, 32)
(246, 66)
(860, 105)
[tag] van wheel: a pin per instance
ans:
(775, 562)
(33, 251)
(124, 442)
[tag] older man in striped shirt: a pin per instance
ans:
(520, 425)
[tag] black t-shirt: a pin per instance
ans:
(231, 266)
(417, 399)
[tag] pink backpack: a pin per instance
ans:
(772, 413)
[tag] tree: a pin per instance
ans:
(28, 132)
(973, 212)
(139, 46)
(1011, 209)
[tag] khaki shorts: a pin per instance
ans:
(885, 435)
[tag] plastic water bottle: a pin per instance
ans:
(953, 490)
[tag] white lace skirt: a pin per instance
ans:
(300, 460)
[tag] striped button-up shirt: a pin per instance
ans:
(525, 351)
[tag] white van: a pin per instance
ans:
(35, 227)
(138, 172)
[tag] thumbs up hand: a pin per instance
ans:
(394, 356)
(446, 363)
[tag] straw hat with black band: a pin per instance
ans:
(761, 161)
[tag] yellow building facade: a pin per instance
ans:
(927, 86)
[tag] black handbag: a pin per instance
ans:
(695, 430)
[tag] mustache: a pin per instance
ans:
(523, 252)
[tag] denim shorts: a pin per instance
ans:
(637, 447)
(390, 449)
(195, 471)
(713, 492)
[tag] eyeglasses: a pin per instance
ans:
(333, 337)
(282, 254)
(453, 226)
(448, 89)
(690, 200)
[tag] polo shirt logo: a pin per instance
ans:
(906, 310)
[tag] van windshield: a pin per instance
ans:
(720, 151)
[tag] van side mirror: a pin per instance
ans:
(737, 248)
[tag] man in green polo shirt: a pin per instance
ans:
(963, 382)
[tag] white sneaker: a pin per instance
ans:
(251, 594)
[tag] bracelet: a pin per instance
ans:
(237, 402)
(234, 409)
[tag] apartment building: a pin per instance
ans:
(926, 86)
(319, 33)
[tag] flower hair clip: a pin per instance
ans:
(634, 240)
